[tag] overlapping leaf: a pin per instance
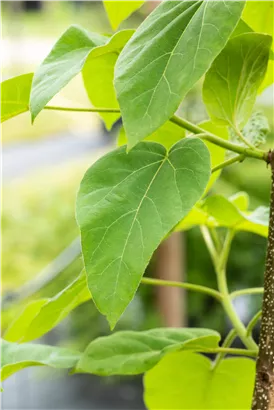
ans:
(217, 154)
(15, 94)
(259, 16)
(166, 56)
(15, 357)
(98, 74)
(167, 135)
(41, 316)
(136, 352)
(184, 380)
(119, 11)
(232, 83)
(126, 205)
(67, 59)
(218, 211)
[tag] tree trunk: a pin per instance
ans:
(170, 261)
(263, 397)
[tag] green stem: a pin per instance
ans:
(219, 263)
(253, 323)
(247, 152)
(184, 285)
(245, 141)
(225, 350)
(227, 343)
(237, 158)
(106, 110)
(254, 153)
(187, 125)
(248, 291)
(209, 243)
(216, 239)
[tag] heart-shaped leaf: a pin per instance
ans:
(118, 11)
(231, 85)
(126, 205)
(136, 352)
(166, 56)
(15, 94)
(15, 357)
(184, 380)
(42, 315)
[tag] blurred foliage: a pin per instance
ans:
(38, 221)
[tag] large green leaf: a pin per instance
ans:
(126, 205)
(218, 211)
(232, 83)
(136, 352)
(166, 56)
(167, 135)
(118, 11)
(15, 357)
(15, 94)
(98, 73)
(41, 316)
(184, 380)
(65, 60)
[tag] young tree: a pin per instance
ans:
(157, 182)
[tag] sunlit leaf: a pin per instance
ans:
(41, 316)
(196, 216)
(136, 352)
(232, 83)
(15, 94)
(167, 135)
(166, 56)
(118, 11)
(98, 73)
(226, 214)
(19, 326)
(259, 16)
(241, 28)
(15, 357)
(240, 200)
(126, 205)
(184, 380)
(218, 211)
(65, 60)
(268, 78)
(256, 221)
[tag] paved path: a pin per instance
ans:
(20, 160)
